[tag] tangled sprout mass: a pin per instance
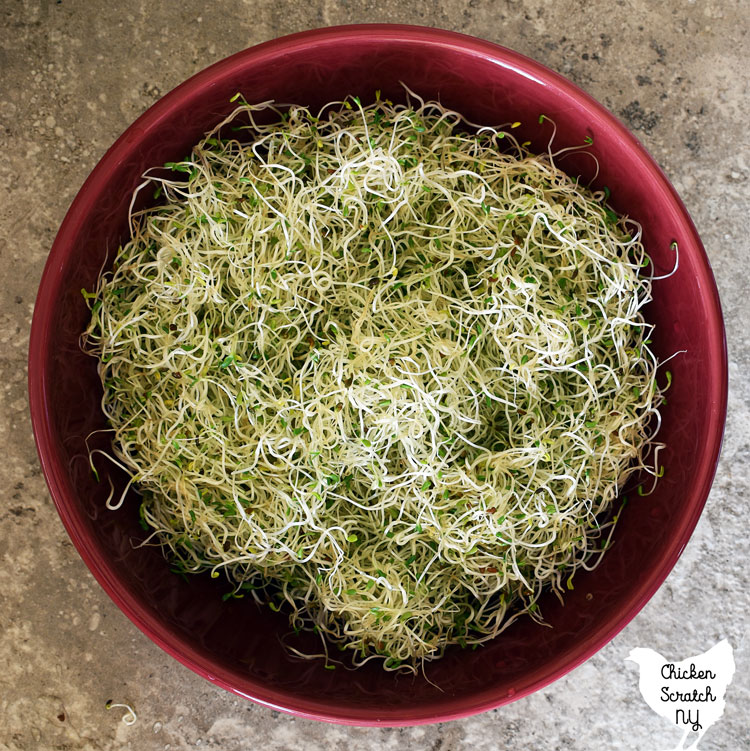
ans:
(381, 369)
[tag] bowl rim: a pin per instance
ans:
(54, 470)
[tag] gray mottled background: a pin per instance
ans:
(73, 75)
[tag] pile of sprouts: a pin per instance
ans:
(379, 368)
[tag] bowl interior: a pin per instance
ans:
(238, 644)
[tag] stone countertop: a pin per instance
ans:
(74, 75)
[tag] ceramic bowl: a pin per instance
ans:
(237, 645)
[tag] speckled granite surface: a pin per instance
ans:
(73, 75)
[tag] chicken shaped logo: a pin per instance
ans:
(690, 693)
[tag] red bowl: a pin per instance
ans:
(237, 645)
